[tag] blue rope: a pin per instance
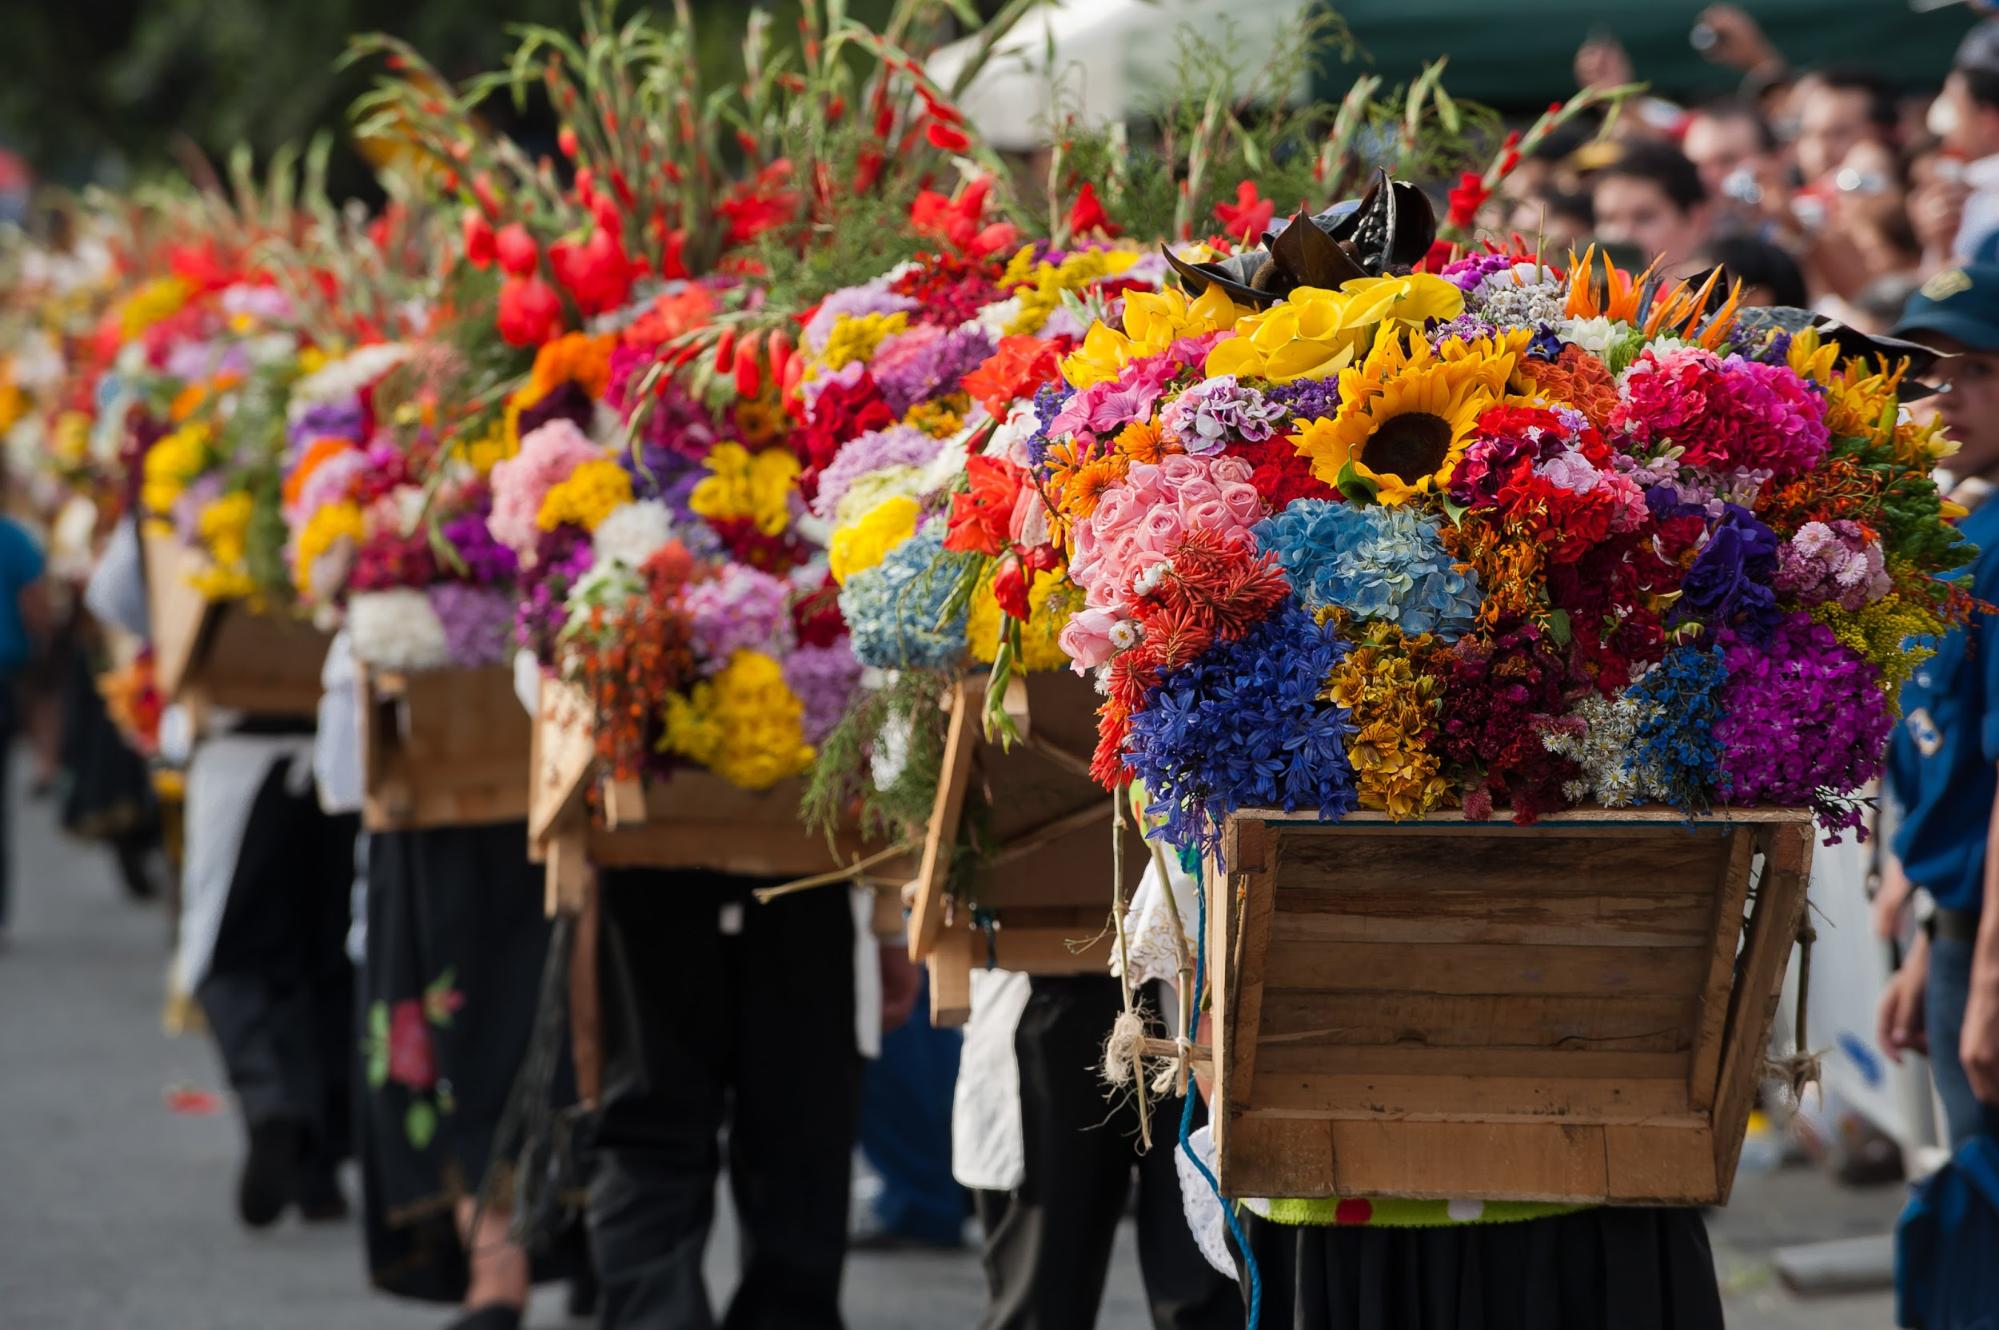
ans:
(1187, 1110)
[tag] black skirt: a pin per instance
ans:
(1598, 1269)
(455, 948)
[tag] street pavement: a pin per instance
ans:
(115, 1202)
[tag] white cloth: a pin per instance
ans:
(1980, 217)
(867, 973)
(1149, 924)
(222, 784)
(1204, 1208)
(988, 1148)
(116, 592)
(336, 745)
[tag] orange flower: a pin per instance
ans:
(1140, 442)
(1083, 490)
(317, 452)
(1577, 378)
(571, 358)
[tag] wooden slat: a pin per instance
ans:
(1659, 1023)
(950, 966)
(565, 753)
(1277, 1157)
(954, 778)
(1666, 1165)
(1519, 862)
(1725, 919)
(1759, 983)
(1250, 875)
(440, 748)
(1482, 968)
(1678, 919)
(1470, 1160)
(1327, 1094)
(1046, 950)
(1385, 1060)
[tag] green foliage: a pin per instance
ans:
(843, 780)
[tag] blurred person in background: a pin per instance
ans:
(1649, 199)
(1768, 273)
(1730, 141)
(1944, 759)
(24, 620)
(1838, 111)
(1966, 117)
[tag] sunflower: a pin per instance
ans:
(1404, 420)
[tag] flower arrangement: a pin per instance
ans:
(1498, 536)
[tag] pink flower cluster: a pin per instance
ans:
(1833, 561)
(522, 481)
(1105, 408)
(1140, 522)
(741, 608)
(1729, 415)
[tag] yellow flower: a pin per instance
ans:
(856, 336)
(13, 402)
(1314, 333)
(1153, 321)
(322, 531)
(1863, 402)
(870, 489)
(1392, 706)
(71, 442)
(586, 497)
(865, 543)
(939, 419)
(1403, 420)
(741, 483)
(1051, 600)
(745, 724)
(1040, 288)
(1885, 632)
(492, 447)
(172, 464)
(158, 299)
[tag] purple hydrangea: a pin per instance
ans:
(925, 361)
(742, 609)
(486, 560)
(1307, 399)
(477, 622)
(824, 678)
(898, 445)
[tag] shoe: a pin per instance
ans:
(492, 1316)
(320, 1200)
(270, 1172)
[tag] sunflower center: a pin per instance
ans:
(1409, 446)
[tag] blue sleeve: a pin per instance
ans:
(24, 558)
(1985, 646)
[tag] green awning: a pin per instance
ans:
(1519, 55)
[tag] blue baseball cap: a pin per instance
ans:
(1960, 303)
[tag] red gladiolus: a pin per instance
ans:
(1249, 216)
(1010, 589)
(749, 374)
(1087, 213)
(982, 516)
(596, 271)
(1466, 199)
(516, 250)
(725, 350)
(780, 355)
(946, 138)
(565, 139)
(530, 311)
(480, 247)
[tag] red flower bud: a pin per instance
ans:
(725, 350)
(749, 374)
(779, 348)
(478, 233)
(516, 250)
(565, 139)
(530, 311)
(1010, 589)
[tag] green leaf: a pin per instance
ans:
(1558, 627)
(1357, 488)
(420, 1124)
(378, 1019)
(1455, 511)
(378, 1065)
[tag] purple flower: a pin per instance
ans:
(566, 401)
(742, 608)
(326, 420)
(899, 445)
(1212, 413)
(486, 560)
(1468, 272)
(871, 298)
(1307, 399)
(1833, 561)
(926, 361)
(1805, 721)
(1730, 580)
(476, 620)
(824, 678)
(561, 556)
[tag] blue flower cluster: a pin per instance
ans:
(896, 609)
(1374, 562)
(1676, 746)
(1244, 726)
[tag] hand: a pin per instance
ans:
(1899, 1025)
(899, 985)
(1738, 42)
(1978, 1049)
(1936, 210)
(1891, 899)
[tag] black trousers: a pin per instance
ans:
(702, 1030)
(1048, 1242)
(279, 993)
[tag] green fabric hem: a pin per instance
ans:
(1395, 1212)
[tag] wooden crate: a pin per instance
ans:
(209, 653)
(442, 748)
(1047, 867)
(1574, 1011)
(695, 820)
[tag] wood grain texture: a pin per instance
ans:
(1724, 941)
(443, 748)
(1653, 1023)
(931, 885)
(1478, 967)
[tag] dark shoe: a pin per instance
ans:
(492, 1316)
(270, 1172)
(320, 1200)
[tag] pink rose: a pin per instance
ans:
(1161, 530)
(1209, 515)
(1230, 469)
(1118, 507)
(1087, 639)
(1198, 491)
(1244, 503)
(1177, 469)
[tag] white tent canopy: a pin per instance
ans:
(1107, 61)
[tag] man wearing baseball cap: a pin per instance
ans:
(1944, 759)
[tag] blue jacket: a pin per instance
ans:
(1947, 1243)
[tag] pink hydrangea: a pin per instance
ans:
(1727, 415)
(522, 481)
(743, 608)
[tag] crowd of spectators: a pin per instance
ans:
(1820, 187)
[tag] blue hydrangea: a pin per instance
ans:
(1374, 562)
(1244, 726)
(1680, 699)
(896, 609)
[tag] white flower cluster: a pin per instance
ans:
(343, 378)
(632, 534)
(397, 630)
(1604, 745)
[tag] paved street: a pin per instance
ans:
(115, 1209)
